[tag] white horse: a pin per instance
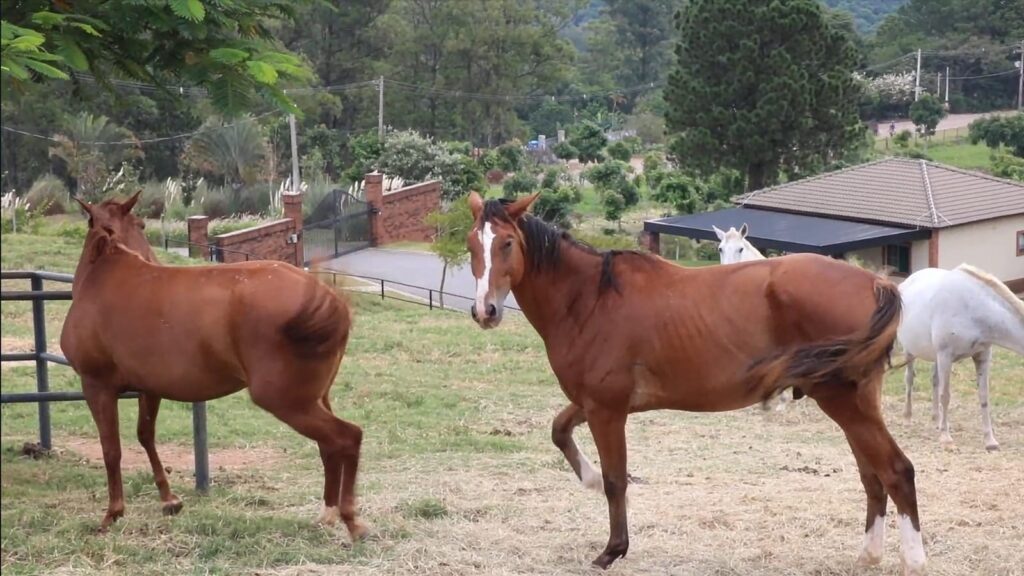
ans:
(733, 247)
(949, 315)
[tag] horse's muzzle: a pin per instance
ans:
(492, 319)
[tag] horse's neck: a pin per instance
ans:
(750, 252)
(551, 296)
(1004, 321)
(91, 259)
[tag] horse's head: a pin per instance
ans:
(111, 220)
(731, 244)
(496, 249)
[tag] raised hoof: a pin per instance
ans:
(172, 507)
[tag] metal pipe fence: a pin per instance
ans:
(42, 358)
(408, 293)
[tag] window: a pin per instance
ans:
(1020, 243)
(897, 256)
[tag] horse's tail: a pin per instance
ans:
(847, 361)
(321, 326)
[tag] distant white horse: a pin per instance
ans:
(733, 247)
(949, 315)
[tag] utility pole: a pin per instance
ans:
(1020, 81)
(917, 79)
(938, 85)
(295, 154)
(947, 85)
(380, 108)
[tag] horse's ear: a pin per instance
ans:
(85, 206)
(516, 209)
(476, 204)
(719, 233)
(744, 230)
(127, 206)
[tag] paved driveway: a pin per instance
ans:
(420, 269)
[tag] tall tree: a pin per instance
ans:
(644, 28)
(764, 88)
(225, 47)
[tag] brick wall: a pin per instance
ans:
(401, 213)
(270, 241)
(265, 242)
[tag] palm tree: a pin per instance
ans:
(233, 153)
(89, 146)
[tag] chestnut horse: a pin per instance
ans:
(628, 332)
(192, 334)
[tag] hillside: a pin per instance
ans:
(867, 14)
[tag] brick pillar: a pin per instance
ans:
(373, 187)
(293, 211)
(651, 241)
(199, 236)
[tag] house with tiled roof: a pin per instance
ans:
(903, 213)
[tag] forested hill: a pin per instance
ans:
(867, 14)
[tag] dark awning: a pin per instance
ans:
(787, 232)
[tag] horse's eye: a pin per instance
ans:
(741, 249)
(721, 250)
(142, 224)
(508, 244)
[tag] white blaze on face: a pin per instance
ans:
(486, 236)
(913, 547)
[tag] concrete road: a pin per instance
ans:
(421, 270)
(951, 122)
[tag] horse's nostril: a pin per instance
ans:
(492, 310)
(472, 311)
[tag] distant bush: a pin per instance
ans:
(49, 195)
(519, 183)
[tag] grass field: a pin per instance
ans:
(459, 475)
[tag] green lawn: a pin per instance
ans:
(963, 155)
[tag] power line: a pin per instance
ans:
(146, 140)
(1003, 73)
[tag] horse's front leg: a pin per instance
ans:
(561, 435)
(982, 363)
(608, 428)
(102, 403)
(149, 406)
(908, 381)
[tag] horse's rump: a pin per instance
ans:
(321, 325)
(847, 360)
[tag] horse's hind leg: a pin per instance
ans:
(149, 406)
(858, 413)
(102, 403)
(943, 371)
(561, 434)
(982, 363)
(908, 380)
(339, 442)
(874, 527)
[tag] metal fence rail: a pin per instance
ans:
(42, 358)
(433, 298)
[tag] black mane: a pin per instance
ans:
(544, 244)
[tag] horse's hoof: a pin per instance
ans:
(607, 558)
(329, 516)
(173, 506)
(358, 531)
(909, 570)
(993, 447)
(866, 559)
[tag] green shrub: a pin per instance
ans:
(519, 183)
(48, 194)
(619, 151)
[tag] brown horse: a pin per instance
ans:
(197, 333)
(628, 332)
